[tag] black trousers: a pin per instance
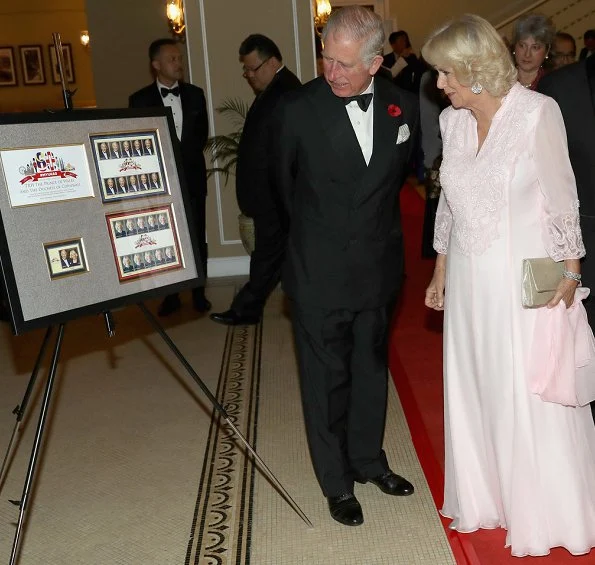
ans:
(342, 357)
(265, 264)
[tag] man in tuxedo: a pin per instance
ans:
(589, 42)
(110, 187)
(144, 183)
(149, 147)
(155, 182)
(103, 151)
(115, 152)
(122, 186)
(342, 147)
(189, 111)
(64, 260)
(133, 184)
(126, 150)
(137, 148)
(573, 88)
(127, 266)
(263, 68)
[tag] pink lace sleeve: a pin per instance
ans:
(442, 226)
(561, 230)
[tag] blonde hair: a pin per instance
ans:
(473, 49)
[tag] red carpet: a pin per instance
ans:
(416, 366)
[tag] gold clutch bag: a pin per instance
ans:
(540, 279)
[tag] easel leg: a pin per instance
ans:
(20, 409)
(261, 464)
(36, 443)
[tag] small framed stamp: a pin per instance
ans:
(65, 258)
(145, 242)
(129, 165)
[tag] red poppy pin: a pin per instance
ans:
(394, 110)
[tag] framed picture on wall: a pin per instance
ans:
(32, 64)
(68, 63)
(8, 71)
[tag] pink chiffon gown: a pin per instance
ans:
(512, 460)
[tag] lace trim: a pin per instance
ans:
(562, 237)
(442, 232)
(475, 187)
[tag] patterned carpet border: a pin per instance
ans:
(221, 526)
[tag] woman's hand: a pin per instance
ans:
(565, 291)
(435, 291)
(566, 287)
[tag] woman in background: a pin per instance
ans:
(508, 192)
(532, 39)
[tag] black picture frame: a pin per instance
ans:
(37, 299)
(68, 63)
(129, 165)
(8, 68)
(32, 65)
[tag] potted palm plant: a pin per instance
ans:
(224, 155)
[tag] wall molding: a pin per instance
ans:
(228, 266)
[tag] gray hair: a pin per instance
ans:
(537, 26)
(358, 24)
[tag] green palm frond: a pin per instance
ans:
(224, 148)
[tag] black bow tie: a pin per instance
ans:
(363, 100)
(165, 91)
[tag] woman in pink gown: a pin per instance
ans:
(512, 460)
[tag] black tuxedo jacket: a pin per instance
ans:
(253, 187)
(573, 88)
(195, 130)
(345, 246)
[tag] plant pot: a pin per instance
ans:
(247, 235)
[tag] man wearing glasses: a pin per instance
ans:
(263, 69)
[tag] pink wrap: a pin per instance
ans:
(562, 360)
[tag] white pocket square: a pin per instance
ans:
(403, 134)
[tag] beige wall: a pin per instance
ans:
(32, 23)
(214, 31)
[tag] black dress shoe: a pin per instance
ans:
(202, 304)
(170, 304)
(390, 483)
(346, 509)
(232, 318)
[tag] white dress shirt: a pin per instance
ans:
(363, 124)
(175, 103)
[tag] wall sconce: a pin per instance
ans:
(322, 11)
(175, 17)
(85, 39)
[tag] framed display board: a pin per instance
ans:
(93, 213)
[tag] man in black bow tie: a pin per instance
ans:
(189, 110)
(340, 161)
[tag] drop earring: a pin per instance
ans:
(476, 88)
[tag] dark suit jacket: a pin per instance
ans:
(195, 130)
(573, 88)
(253, 187)
(345, 246)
